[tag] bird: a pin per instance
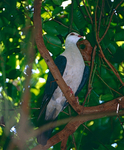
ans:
(74, 72)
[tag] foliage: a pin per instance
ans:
(89, 19)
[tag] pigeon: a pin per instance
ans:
(74, 72)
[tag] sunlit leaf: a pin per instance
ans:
(1, 131)
(106, 97)
(35, 91)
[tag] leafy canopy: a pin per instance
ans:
(87, 17)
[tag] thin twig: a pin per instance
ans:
(110, 21)
(96, 22)
(92, 65)
(88, 12)
(109, 64)
(63, 144)
(74, 141)
(109, 86)
(78, 3)
(88, 6)
(71, 16)
(100, 16)
(99, 40)
(89, 91)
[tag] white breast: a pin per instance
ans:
(72, 76)
(74, 68)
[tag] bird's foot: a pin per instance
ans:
(71, 92)
(77, 99)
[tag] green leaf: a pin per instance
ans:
(57, 2)
(119, 36)
(51, 27)
(79, 19)
(10, 30)
(106, 40)
(45, 15)
(122, 46)
(43, 65)
(103, 147)
(53, 44)
(119, 55)
(62, 30)
(13, 74)
(57, 10)
(54, 49)
(106, 97)
(35, 91)
(91, 38)
(53, 40)
(113, 47)
(12, 61)
(1, 23)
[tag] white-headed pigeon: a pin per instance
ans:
(73, 70)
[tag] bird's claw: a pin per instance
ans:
(71, 92)
(77, 99)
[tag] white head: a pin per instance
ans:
(72, 39)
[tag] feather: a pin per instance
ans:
(72, 68)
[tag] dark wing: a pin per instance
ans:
(51, 84)
(83, 82)
(84, 79)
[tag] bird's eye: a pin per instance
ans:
(72, 34)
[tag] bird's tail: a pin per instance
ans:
(44, 136)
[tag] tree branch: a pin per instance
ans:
(89, 113)
(24, 111)
(98, 39)
(110, 21)
(87, 12)
(95, 112)
(45, 54)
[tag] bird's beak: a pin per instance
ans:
(80, 36)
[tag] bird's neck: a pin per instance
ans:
(72, 49)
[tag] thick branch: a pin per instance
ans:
(89, 113)
(72, 127)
